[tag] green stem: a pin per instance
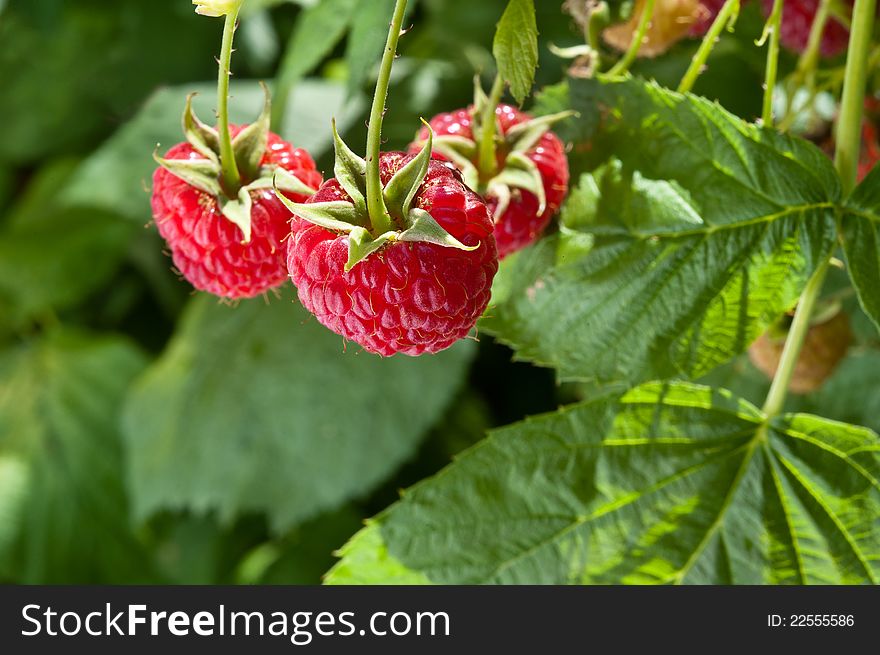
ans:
(636, 44)
(846, 160)
(230, 177)
(795, 341)
(730, 8)
(772, 28)
(805, 73)
(809, 59)
(849, 123)
(599, 18)
(488, 160)
(380, 219)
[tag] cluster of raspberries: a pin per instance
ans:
(408, 297)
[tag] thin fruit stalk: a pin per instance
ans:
(725, 18)
(771, 32)
(846, 161)
(212, 197)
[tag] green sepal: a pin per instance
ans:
(203, 174)
(481, 100)
(361, 245)
(523, 137)
(239, 212)
(275, 177)
(250, 144)
(519, 173)
(350, 171)
(461, 152)
(352, 217)
(403, 186)
(202, 137)
(423, 228)
(336, 216)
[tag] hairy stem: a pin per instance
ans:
(728, 12)
(380, 219)
(488, 160)
(230, 177)
(849, 123)
(771, 30)
(846, 160)
(636, 44)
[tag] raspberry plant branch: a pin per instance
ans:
(623, 64)
(771, 31)
(849, 124)
(229, 173)
(488, 160)
(794, 342)
(846, 161)
(725, 18)
(379, 217)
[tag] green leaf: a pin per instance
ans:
(318, 30)
(672, 483)
(516, 47)
(369, 30)
(117, 176)
(73, 70)
(861, 242)
(365, 560)
(56, 258)
(850, 394)
(304, 556)
(61, 462)
(259, 408)
(702, 237)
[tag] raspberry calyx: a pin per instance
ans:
(249, 147)
(354, 218)
(512, 168)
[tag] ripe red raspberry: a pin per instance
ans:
(206, 247)
(797, 19)
(521, 223)
(409, 297)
